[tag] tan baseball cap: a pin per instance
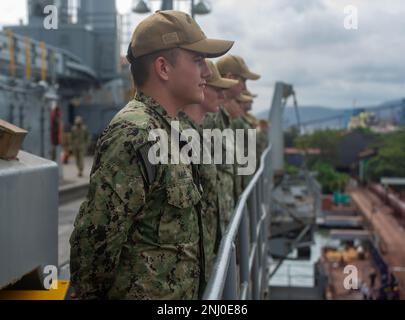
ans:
(216, 80)
(244, 98)
(236, 65)
(170, 29)
(248, 93)
(78, 120)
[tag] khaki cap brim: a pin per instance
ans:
(223, 83)
(244, 98)
(248, 93)
(250, 75)
(211, 47)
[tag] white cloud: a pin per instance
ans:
(12, 12)
(304, 43)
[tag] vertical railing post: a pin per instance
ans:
(266, 191)
(252, 218)
(258, 240)
(230, 289)
(256, 192)
(244, 245)
(255, 277)
(11, 48)
(256, 266)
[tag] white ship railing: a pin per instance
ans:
(241, 267)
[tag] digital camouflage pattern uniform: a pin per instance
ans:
(209, 201)
(79, 141)
(262, 139)
(240, 180)
(253, 122)
(225, 172)
(249, 122)
(138, 235)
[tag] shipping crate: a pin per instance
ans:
(11, 139)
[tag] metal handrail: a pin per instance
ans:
(64, 59)
(252, 210)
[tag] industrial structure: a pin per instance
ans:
(76, 67)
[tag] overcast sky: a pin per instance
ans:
(304, 43)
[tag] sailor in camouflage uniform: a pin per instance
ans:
(247, 121)
(225, 172)
(234, 67)
(263, 135)
(138, 234)
(260, 125)
(192, 118)
(80, 139)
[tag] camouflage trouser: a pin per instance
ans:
(210, 238)
(226, 198)
(79, 156)
(238, 186)
(246, 180)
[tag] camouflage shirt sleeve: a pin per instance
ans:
(116, 195)
(210, 121)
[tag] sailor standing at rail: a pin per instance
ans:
(139, 234)
(192, 117)
(235, 67)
